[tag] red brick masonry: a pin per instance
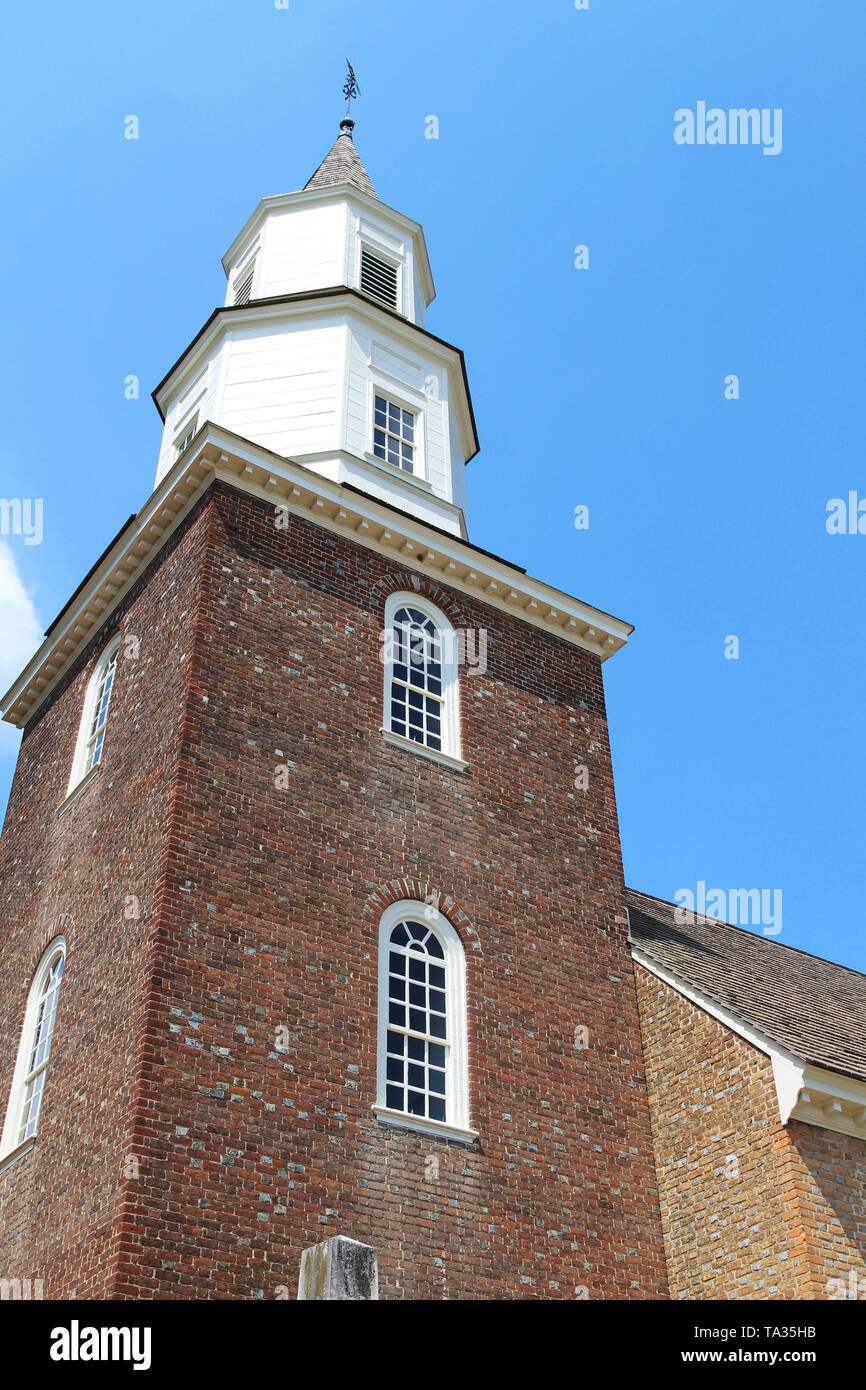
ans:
(180, 1153)
(750, 1208)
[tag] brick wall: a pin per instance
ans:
(751, 1209)
(830, 1173)
(260, 909)
(76, 872)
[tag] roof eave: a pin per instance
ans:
(805, 1089)
(258, 306)
(337, 192)
(217, 454)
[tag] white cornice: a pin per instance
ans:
(334, 193)
(404, 540)
(307, 306)
(803, 1091)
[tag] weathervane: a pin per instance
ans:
(350, 87)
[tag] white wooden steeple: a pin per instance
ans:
(321, 354)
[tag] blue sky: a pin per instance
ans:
(602, 387)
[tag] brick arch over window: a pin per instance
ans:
(420, 890)
(409, 582)
(59, 924)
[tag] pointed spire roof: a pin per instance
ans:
(342, 163)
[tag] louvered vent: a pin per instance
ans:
(244, 288)
(378, 278)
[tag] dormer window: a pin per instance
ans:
(244, 285)
(379, 278)
(393, 434)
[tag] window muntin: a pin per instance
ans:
(417, 701)
(34, 1048)
(94, 719)
(423, 1080)
(393, 433)
(39, 1049)
(101, 707)
(421, 689)
(186, 436)
(417, 1042)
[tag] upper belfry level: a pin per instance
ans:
(320, 353)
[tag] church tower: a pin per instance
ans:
(314, 916)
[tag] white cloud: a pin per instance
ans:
(20, 635)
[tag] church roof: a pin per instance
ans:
(342, 164)
(810, 1007)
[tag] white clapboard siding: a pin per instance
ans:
(305, 250)
(281, 384)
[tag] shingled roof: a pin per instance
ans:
(342, 164)
(809, 1006)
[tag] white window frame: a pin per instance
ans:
(379, 385)
(9, 1141)
(80, 768)
(449, 752)
(456, 1122)
(400, 439)
(387, 257)
(185, 434)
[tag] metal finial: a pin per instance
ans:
(350, 87)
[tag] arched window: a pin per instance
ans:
(28, 1082)
(421, 677)
(94, 719)
(423, 1081)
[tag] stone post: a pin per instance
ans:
(339, 1268)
